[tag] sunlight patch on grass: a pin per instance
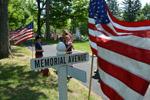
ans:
(82, 46)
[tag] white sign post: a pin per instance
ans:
(61, 64)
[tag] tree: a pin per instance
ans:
(79, 15)
(113, 6)
(131, 9)
(60, 13)
(21, 12)
(146, 11)
(4, 41)
(47, 19)
(39, 2)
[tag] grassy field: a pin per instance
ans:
(82, 46)
(18, 82)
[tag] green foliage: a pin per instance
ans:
(21, 12)
(63, 14)
(131, 9)
(114, 7)
(146, 11)
(79, 15)
(79, 12)
(141, 17)
(59, 13)
(84, 28)
(69, 13)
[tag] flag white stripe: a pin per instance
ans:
(139, 28)
(95, 33)
(131, 40)
(100, 28)
(92, 32)
(21, 36)
(137, 68)
(29, 36)
(104, 97)
(93, 45)
(119, 87)
(91, 20)
(20, 33)
(114, 30)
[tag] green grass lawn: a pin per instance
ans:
(18, 82)
(82, 46)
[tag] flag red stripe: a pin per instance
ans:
(26, 38)
(94, 51)
(144, 34)
(22, 40)
(92, 38)
(126, 50)
(24, 31)
(109, 92)
(20, 33)
(128, 31)
(24, 35)
(131, 80)
(92, 26)
(130, 24)
(108, 29)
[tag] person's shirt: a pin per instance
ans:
(69, 47)
(38, 46)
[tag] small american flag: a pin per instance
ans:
(21, 35)
(123, 52)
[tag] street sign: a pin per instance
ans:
(47, 62)
(77, 73)
(62, 64)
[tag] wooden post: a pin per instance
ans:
(90, 83)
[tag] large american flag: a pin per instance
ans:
(123, 52)
(21, 35)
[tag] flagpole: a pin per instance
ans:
(90, 83)
(32, 47)
(33, 38)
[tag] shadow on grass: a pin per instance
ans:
(18, 83)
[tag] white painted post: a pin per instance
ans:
(62, 74)
(62, 67)
(62, 83)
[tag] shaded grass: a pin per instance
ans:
(18, 82)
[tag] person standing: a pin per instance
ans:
(69, 44)
(65, 32)
(68, 40)
(39, 53)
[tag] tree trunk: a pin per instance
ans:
(47, 19)
(4, 41)
(39, 18)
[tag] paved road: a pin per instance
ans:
(50, 50)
